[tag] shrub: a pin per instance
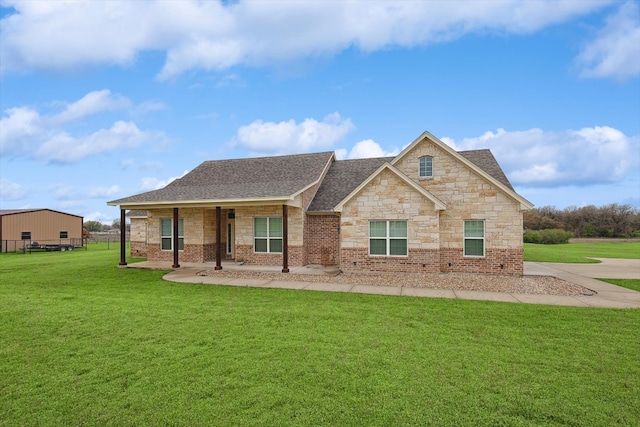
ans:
(554, 236)
(547, 237)
(532, 236)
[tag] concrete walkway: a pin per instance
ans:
(608, 296)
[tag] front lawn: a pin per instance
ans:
(580, 252)
(633, 284)
(86, 343)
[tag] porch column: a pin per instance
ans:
(218, 238)
(123, 239)
(175, 238)
(285, 238)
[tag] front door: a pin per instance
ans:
(230, 239)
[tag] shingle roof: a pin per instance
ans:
(259, 177)
(343, 177)
(484, 160)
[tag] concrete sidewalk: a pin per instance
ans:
(608, 296)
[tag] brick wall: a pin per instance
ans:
(138, 249)
(417, 261)
(495, 261)
(323, 239)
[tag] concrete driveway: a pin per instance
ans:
(609, 268)
(586, 275)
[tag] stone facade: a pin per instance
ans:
(138, 237)
(469, 196)
(387, 197)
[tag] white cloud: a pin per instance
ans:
(62, 192)
(367, 148)
(151, 183)
(62, 148)
(24, 131)
(101, 192)
(92, 103)
(615, 51)
(17, 129)
(213, 36)
(538, 158)
(10, 190)
(292, 137)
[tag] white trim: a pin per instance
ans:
(483, 238)
(388, 238)
(224, 203)
(170, 237)
(267, 237)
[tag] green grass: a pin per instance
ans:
(633, 284)
(581, 252)
(86, 343)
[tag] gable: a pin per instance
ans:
(390, 192)
(451, 169)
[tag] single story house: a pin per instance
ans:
(22, 227)
(429, 209)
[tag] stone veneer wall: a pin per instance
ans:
(389, 198)
(470, 196)
(199, 247)
(244, 235)
(138, 237)
(323, 239)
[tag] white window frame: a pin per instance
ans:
(169, 237)
(388, 238)
(427, 167)
(482, 238)
(269, 238)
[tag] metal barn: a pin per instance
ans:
(21, 228)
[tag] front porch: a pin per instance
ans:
(230, 266)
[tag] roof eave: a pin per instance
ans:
(260, 201)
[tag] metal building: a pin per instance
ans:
(21, 228)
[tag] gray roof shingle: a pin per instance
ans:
(484, 160)
(258, 177)
(343, 177)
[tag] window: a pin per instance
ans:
(426, 167)
(64, 235)
(26, 235)
(474, 238)
(388, 238)
(267, 234)
(166, 234)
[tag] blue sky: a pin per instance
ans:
(101, 100)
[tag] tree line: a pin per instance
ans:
(612, 220)
(98, 227)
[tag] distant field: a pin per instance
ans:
(581, 252)
(86, 343)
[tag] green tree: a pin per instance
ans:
(93, 226)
